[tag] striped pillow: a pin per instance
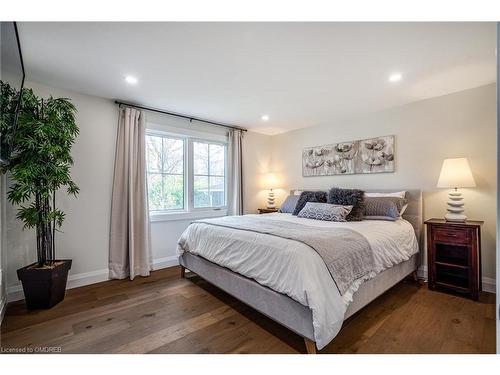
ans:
(325, 211)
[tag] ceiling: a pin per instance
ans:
(299, 74)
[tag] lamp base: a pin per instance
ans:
(270, 199)
(461, 218)
(455, 207)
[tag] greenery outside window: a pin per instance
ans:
(185, 175)
(165, 172)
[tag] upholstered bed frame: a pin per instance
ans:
(290, 313)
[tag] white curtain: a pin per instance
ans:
(130, 245)
(235, 173)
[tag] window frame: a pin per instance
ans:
(191, 174)
(157, 133)
(189, 211)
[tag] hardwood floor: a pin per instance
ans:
(166, 314)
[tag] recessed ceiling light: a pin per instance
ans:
(265, 118)
(131, 80)
(395, 77)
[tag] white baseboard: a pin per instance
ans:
(422, 272)
(15, 292)
(489, 284)
(165, 262)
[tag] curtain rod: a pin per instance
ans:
(190, 118)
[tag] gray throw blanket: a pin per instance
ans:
(346, 253)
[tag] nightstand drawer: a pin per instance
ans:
(451, 236)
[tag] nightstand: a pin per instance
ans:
(454, 256)
(267, 210)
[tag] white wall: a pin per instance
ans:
(256, 163)
(85, 236)
(460, 124)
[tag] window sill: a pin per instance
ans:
(193, 215)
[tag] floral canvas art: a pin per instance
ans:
(375, 155)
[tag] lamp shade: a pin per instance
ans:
(270, 181)
(456, 173)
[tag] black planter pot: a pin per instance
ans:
(44, 287)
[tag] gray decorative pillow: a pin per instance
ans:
(289, 204)
(348, 197)
(383, 208)
(309, 196)
(325, 211)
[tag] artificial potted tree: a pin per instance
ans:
(40, 166)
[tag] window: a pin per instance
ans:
(209, 185)
(185, 174)
(165, 172)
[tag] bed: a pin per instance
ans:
(288, 281)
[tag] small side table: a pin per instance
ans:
(454, 256)
(267, 210)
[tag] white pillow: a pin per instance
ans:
(297, 192)
(403, 210)
(399, 194)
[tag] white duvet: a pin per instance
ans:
(295, 269)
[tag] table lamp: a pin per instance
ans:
(455, 173)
